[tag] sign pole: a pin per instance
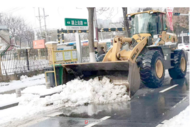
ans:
(91, 34)
(189, 42)
(78, 46)
(189, 24)
(102, 35)
(182, 36)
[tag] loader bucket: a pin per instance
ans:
(120, 73)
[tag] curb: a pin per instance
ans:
(10, 105)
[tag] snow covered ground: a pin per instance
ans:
(41, 90)
(24, 82)
(74, 93)
(181, 120)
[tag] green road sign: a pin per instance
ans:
(75, 22)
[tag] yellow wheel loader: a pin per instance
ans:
(142, 58)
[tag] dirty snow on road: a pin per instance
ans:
(74, 93)
(181, 120)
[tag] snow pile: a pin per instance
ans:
(4, 98)
(19, 114)
(94, 91)
(41, 90)
(79, 92)
(74, 93)
(23, 77)
(181, 120)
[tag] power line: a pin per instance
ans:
(40, 22)
(60, 16)
(13, 10)
(17, 9)
(9, 10)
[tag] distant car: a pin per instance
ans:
(184, 47)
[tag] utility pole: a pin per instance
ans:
(102, 35)
(182, 37)
(189, 24)
(91, 34)
(40, 23)
(45, 25)
(96, 25)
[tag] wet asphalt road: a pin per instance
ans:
(148, 108)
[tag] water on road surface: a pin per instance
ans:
(148, 108)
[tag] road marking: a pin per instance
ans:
(102, 119)
(92, 124)
(179, 102)
(105, 118)
(168, 89)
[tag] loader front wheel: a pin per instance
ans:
(152, 69)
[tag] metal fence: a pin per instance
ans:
(23, 60)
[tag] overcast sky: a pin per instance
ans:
(56, 15)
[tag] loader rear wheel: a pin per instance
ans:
(179, 63)
(152, 69)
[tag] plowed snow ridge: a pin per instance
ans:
(74, 93)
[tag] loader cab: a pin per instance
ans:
(150, 22)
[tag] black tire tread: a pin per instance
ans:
(176, 72)
(148, 78)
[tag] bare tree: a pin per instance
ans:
(102, 10)
(28, 36)
(17, 28)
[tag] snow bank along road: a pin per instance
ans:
(148, 108)
(108, 105)
(74, 93)
(22, 83)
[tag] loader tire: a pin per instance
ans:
(180, 65)
(152, 69)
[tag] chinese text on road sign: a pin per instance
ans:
(75, 22)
